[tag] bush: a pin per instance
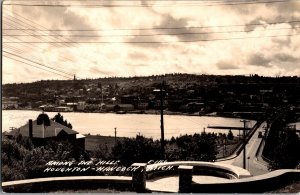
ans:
(140, 149)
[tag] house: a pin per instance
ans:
(129, 99)
(194, 106)
(43, 129)
(123, 107)
(109, 107)
(64, 109)
(80, 106)
(48, 108)
(142, 105)
(10, 103)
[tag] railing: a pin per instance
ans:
(185, 170)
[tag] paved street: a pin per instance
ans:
(256, 166)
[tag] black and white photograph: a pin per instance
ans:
(150, 96)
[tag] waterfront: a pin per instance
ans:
(128, 125)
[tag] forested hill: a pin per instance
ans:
(179, 87)
(181, 80)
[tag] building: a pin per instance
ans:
(64, 109)
(48, 108)
(129, 99)
(109, 107)
(143, 105)
(43, 129)
(10, 103)
(80, 106)
(123, 107)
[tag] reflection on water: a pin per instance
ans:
(128, 125)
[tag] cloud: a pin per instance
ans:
(57, 18)
(137, 56)
(251, 26)
(169, 28)
(226, 65)
(97, 71)
(284, 8)
(138, 65)
(286, 57)
(259, 60)
(168, 22)
(269, 56)
(282, 41)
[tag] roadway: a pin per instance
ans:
(254, 164)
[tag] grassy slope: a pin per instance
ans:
(93, 141)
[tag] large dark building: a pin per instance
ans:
(42, 130)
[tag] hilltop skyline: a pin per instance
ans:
(206, 37)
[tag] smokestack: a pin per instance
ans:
(30, 129)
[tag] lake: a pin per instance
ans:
(128, 125)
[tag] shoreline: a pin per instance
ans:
(146, 112)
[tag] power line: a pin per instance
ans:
(30, 46)
(26, 19)
(152, 5)
(40, 26)
(23, 21)
(212, 1)
(145, 35)
(159, 28)
(38, 63)
(18, 50)
(162, 42)
(35, 66)
(19, 22)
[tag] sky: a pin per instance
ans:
(50, 40)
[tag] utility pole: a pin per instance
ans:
(248, 163)
(115, 135)
(244, 143)
(162, 120)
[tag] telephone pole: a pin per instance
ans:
(244, 143)
(161, 94)
(115, 135)
(162, 120)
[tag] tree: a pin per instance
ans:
(285, 154)
(102, 152)
(43, 119)
(132, 150)
(60, 119)
(198, 147)
(21, 160)
(230, 135)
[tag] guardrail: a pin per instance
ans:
(239, 147)
(137, 182)
(66, 183)
(256, 184)
(205, 168)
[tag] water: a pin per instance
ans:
(128, 125)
